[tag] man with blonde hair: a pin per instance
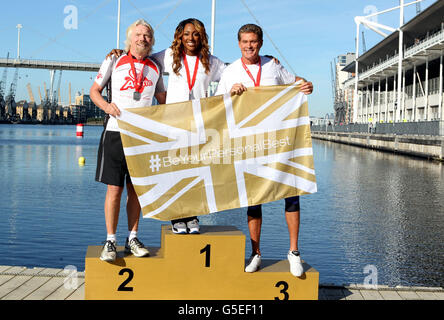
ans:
(135, 79)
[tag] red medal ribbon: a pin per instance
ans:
(196, 66)
(137, 80)
(258, 77)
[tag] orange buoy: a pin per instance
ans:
(79, 130)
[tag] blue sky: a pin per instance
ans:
(308, 33)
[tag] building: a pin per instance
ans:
(78, 113)
(378, 92)
(22, 110)
(92, 111)
(340, 95)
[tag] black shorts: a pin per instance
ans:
(291, 205)
(111, 163)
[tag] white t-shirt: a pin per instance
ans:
(122, 83)
(178, 90)
(271, 74)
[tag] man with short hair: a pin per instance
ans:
(135, 79)
(253, 70)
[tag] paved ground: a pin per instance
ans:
(21, 283)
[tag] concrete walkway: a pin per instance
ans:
(21, 283)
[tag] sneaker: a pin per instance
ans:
(136, 248)
(180, 228)
(109, 251)
(296, 268)
(253, 263)
(193, 226)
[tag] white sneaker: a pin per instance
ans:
(296, 268)
(193, 226)
(253, 263)
(109, 251)
(136, 248)
(180, 228)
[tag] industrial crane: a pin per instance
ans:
(2, 92)
(31, 96)
(333, 82)
(32, 102)
(10, 99)
(40, 95)
(13, 87)
(45, 104)
(57, 103)
(45, 90)
(3, 81)
(57, 91)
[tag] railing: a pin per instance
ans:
(393, 60)
(428, 42)
(48, 64)
(432, 128)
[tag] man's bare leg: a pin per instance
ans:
(133, 212)
(112, 208)
(254, 225)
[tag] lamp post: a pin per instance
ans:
(118, 24)
(213, 19)
(19, 26)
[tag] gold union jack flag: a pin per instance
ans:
(218, 153)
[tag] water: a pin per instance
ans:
(373, 211)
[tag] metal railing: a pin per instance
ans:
(431, 128)
(48, 64)
(393, 60)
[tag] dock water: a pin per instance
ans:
(22, 283)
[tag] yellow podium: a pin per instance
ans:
(205, 266)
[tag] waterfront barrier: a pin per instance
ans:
(430, 147)
(431, 128)
(205, 266)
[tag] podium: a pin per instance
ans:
(205, 266)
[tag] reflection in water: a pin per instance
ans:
(371, 208)
(388, 212)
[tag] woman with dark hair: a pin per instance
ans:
(191, 68)
(188, 61)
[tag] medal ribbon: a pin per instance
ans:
(258, 77)
(137, 80)
(196, 66)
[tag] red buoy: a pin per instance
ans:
(79, 130)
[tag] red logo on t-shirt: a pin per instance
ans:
(130, 81)
(99, 76)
